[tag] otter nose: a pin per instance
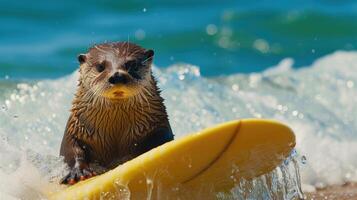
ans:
(118, 78)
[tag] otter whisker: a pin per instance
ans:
(99, 77)
(148, 92)
(135, 52)
(127, 43)
(144, 61)
(147, 101)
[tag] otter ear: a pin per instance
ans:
(82, 58)
(148, 55)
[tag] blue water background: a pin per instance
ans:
(41, 39)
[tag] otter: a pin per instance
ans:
(117, 112)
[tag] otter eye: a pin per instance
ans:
(100, 67)
(132, 65)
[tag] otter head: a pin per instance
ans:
(115, 70)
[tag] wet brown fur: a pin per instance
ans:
(111, 132)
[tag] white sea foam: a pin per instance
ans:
(319, 102)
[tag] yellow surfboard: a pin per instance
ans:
(196, 166)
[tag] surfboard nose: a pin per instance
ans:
(258, 147)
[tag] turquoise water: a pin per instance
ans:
(40, 39)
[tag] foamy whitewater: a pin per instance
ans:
(318, 102)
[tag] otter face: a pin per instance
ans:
(116, 70)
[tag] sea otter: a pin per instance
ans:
(117, 112)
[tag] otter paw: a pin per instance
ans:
(76, 174)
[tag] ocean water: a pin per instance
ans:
(215, 61)
(41, 39)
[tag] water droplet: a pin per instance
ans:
(224, 42)
(350, 84)
(303, 160)
(257, 115)
(286, 162)
(301, 115)
(211, 29)
(279, 107)
(348, 175)
(235, 87)
(181, 77)
(261, 45)
(295, 113)
(140, 34)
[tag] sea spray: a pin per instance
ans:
(282, 183)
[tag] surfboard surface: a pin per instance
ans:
(197, 166)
